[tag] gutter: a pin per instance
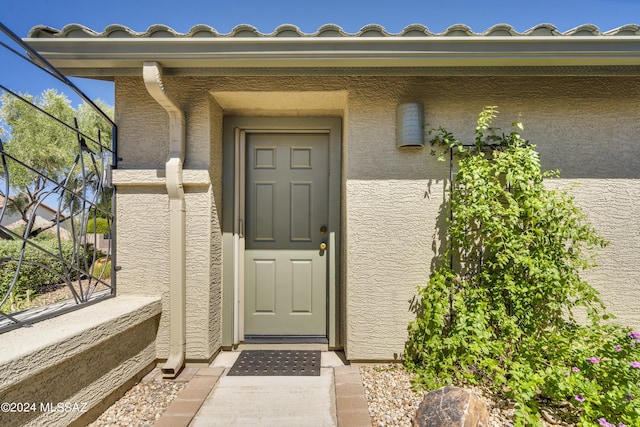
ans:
(114, 54)
(152, 74)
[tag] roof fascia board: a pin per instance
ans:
(110, 74)
(344, 52)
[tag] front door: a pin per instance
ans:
(287, 214)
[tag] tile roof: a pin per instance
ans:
(328, 30)
(118, 50)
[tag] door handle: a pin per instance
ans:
(323, 246)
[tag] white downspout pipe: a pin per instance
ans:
(152, 74)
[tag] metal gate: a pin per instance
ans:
(56, 199)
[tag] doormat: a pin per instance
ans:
(277, 363)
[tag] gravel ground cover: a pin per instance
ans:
(392, 401)
(141, 405)
(49, 295)
(387, 388)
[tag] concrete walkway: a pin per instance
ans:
(211, 399)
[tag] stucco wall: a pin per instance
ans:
(83, 360)
(586, 127)
(392, 199)
(612, 206)
(142, 213)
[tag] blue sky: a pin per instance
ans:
(266, 15)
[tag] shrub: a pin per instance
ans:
(38, 268)
(98, 226)
(499, 312)
(102, 268)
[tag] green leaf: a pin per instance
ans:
(501, 317)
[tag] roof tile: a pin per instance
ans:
(328, 30)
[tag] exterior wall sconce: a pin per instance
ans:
(409, 125)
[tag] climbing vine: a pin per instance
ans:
(501, 309)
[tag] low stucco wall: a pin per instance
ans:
(392, 199)
(67, 370)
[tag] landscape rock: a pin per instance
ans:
(451, 407)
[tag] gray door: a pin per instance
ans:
(286, 233)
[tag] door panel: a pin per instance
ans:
(264, 212)
(265, 289)
(302, 286)
(286, 210)
(285, 292)
(301, 214)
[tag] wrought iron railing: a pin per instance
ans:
(56, 199)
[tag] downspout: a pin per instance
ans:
(152, 74)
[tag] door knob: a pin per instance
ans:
(323, 246)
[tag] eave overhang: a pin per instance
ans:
(104, 56)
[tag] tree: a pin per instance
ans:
(99, 130)
(50, 145)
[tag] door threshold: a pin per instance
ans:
(263, 342)
(285, 339)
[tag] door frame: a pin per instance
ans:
(235, 130)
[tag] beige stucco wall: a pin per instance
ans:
(142, 209)
(85, 359)
(586, 127)
(392, 199)
(612, 206)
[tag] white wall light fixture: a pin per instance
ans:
(409, 125)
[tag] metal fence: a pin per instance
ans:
(56, 199)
